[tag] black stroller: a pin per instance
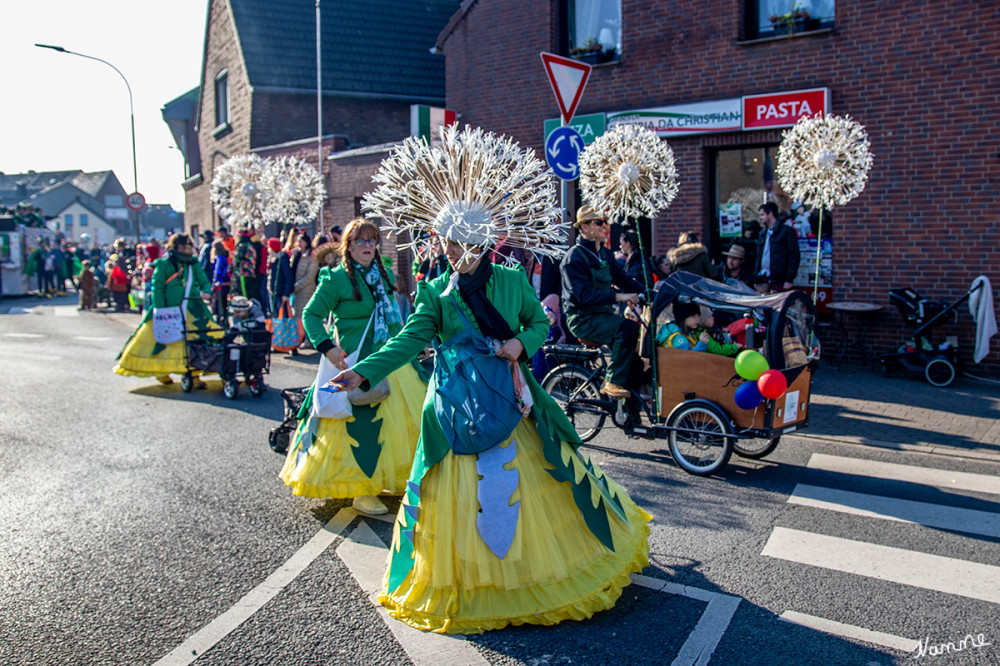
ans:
(230, 359)
(938, 361)
(280, 437)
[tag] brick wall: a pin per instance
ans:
(222, 53)
(922, 77)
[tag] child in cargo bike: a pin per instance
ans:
(689, 330)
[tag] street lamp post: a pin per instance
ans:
(131, 108)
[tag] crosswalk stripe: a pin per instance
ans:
(23, 335)
(949, 518)
(364, 554)
(850, 631)
(67, 311)
(938, 478)
(897, 565)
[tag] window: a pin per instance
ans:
(594, 30)
(222, 98)
(773, 18)
(83, 219)
(69, 221)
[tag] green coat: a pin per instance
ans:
(514, 298)
(334, 294)
(168, 291)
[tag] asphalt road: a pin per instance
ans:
(140, 522)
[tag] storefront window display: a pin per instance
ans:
(743, 180)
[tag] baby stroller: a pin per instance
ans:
(938, 361)
(280, 437)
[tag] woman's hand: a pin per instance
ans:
(348, 380)
(336, 356)
(511, 350)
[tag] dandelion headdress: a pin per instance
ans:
(475, 188)
(236, 192)
(824, 160)
(628, 172)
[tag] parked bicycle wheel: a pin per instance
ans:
(571, 386)
(755, 448)
(701, 442)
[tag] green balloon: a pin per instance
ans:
(751, 364)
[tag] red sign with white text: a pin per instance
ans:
(783, 109)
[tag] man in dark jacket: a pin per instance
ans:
(205, 253)
(777, 250)
(589, 277)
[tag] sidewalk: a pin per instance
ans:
(904, 412)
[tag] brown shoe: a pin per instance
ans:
(165, 379)
(614, 391)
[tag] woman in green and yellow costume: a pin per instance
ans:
(529, 530)
(372, 450)
(143, 356)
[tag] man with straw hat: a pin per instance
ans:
(589, 277)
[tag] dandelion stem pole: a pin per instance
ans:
(819, 249)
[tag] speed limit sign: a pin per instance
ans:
(135, 201)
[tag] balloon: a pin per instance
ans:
(747, 396)
(751, 364)
(772, 384)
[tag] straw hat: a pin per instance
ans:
(737, 251)
(586, 213)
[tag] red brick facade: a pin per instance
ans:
(922, 77)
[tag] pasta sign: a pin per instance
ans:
(783, 109)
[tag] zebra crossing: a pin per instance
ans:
(890, 563)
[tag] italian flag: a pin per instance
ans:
(425, 121)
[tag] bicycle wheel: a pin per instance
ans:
(569, 385)
(755, 448)
(701, 444)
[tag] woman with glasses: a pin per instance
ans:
(371, 451)
(178, 280)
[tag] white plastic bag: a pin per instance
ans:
(168, 325)
(327, 405)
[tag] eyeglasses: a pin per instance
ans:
(365, 242)
(599, 223)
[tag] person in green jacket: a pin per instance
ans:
(142, 355)
(371, 450)
(521, 528)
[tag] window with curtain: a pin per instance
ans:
(594, 30)
(780, 17)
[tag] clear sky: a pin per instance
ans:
(63, 112)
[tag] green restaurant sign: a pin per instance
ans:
(590, 126)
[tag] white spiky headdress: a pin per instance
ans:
(628, 172)
(475, 188)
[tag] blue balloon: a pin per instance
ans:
(748, 395)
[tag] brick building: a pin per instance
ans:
(922, 77)
(258, 86)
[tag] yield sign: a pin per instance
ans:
(568, 78)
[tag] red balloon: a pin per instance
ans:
(772, 384)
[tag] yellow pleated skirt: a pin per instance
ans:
(137, 358)
(326, 466)
(555, 569)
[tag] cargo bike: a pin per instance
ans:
(694, 406)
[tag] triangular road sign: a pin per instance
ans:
(568, 78)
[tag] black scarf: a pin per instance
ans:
(472, 286)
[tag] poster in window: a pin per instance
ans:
(730, 220)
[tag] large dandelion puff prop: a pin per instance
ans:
(296, 191)
(475, 188)
(824, 161)
(237, 192)
(628, 172)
